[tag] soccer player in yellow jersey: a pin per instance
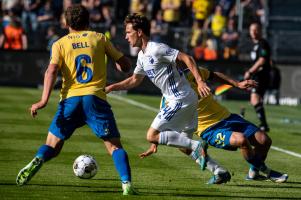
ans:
(222, 129)
(80, 56)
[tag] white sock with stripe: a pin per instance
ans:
(175, 139)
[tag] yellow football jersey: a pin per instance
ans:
(81, 59)
(201, 8)
(171, 14)
(209, 110)
(218, 24)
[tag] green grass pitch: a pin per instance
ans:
(165, 175)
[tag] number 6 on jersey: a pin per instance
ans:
(82, 70)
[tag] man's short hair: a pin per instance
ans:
(257, 23)
(77, 17)
(139, 22)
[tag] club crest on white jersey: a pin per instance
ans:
(158, 62)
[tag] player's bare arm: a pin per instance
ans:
(123, 64)
(261, 61)
(1, 40)
(126, 84)
(49, 80)
(152, 149)
(203, 89)
(247, 84)
(24, 42)
(222, 78)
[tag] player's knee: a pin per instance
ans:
(263, 139)
(254, 103)
(151, 138)
(241, 141)
(112, 149)
(255, 99)
(267, 141)
(112, 144)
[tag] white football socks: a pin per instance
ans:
(175, 139)
(214, 167)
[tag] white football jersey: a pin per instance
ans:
(158, 62)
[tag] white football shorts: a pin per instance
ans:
(178, 115)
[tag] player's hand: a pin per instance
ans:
(247, 84)
(203, 89)
(247, 75)
(152, 149)
(108, 89)
(35, 107)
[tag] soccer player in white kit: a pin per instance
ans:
(159, 62)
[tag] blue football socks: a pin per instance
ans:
(122, 165)
(45, 152)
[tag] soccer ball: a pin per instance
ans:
(85, 166)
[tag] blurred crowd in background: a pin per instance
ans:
(211, 24)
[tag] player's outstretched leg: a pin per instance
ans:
(44, 154)
(176, 139)
(29, 171)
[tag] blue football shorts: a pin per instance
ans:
(219, 134)
(74, 112)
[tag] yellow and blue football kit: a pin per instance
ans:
(80, 57)
(215, 122)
